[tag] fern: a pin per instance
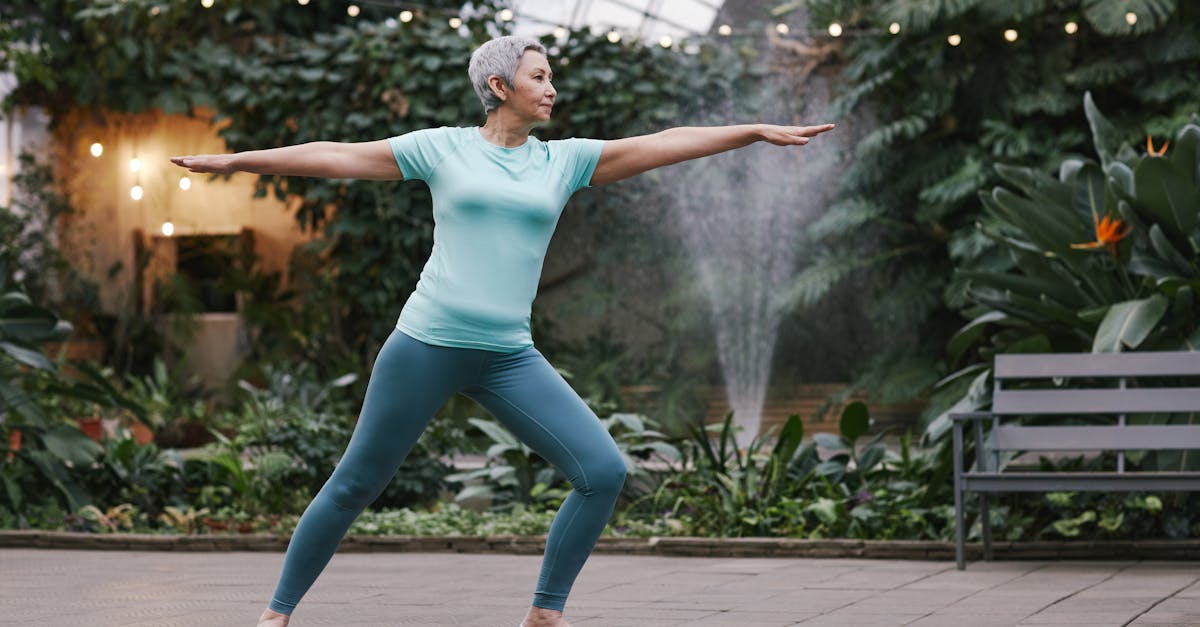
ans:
(1108, 16)
(844, 217)
(918, 16)
(907, 127)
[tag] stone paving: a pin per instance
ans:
(52, 587)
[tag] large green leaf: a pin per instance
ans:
(855, 421)
(1127, 324)
(1105, 137)
(1088, 193)
(1185, 152)
(1168, 194)
(70, 444)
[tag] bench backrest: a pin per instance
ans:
(1102, 371)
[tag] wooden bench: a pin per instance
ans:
(1088, 386)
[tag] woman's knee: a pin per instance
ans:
(605, 475)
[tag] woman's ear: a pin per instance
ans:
(498, 87)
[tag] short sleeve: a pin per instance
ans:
(577, 158)
(418, 152)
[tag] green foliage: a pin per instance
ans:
(1058, 294)
(792, 490)
(947, 114)
(515, 476)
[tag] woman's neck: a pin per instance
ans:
(504, 130)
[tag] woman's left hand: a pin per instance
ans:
(792, 135)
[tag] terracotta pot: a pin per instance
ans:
(246, 527)
(215, 524)
(14, 442)
(142, 434)
(92, 428)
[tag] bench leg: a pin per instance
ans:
(959, 558)
(985, 519)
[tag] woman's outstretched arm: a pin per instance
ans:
(335, 160)
(623, 158)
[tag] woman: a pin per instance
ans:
(497, 195)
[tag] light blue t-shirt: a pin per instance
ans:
(494, 210)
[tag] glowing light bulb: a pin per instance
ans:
(135, 164)
(135, 192)
(614, 36)
(954, 40)
(665, 41)
(725, 30)
(168, 229)
(506, 15)
(1010, 35)
(894, 28)
(97, 149)
(206, 3)
(155, 11)
(1131, 18)
(560, 32)
(781, 28)
(353, 10)
(406, 16)
(303, 2)
(1071, 28)
(185, 183)
(835, 30)
(455, 22)
(391, 22)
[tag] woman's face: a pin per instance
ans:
(532, 95)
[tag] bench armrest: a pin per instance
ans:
(971, 415)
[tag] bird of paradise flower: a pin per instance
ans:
(1110, 231)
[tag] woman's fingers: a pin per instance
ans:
(810, 131)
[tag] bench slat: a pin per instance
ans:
(1082, 481)
(1104, 401)
(1095, 438)
(1145, 364)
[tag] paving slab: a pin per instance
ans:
(100, 588)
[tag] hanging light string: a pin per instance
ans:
(408, 11)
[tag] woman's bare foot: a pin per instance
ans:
(542, 617)
(271, 618)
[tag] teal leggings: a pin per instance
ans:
(410, 381)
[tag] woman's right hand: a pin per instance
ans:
(214, 164)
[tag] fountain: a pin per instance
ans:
(740, 215)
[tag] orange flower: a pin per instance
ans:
(1109, 231)
(1150, 148)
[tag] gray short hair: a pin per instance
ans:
(500, 57)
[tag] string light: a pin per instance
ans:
(135, 192)
(135, 164)
(168, 229)
(391, 22)
(154, 11)
(506, 15)
(835, 30)
(894, 28)
(1131, 18)
(560, 32)
(1071, 28)
(206, 3)
(725, 30)
(97, 149)
(665, 41)
(613, 36)
(352, 10)
(407, 16)
(954, 40)
(781, 28)
(1010, 35)
(185, 183)
(303, 3)
(455, 22)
